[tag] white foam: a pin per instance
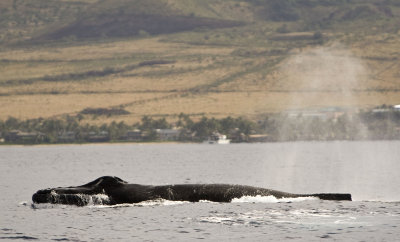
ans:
(101, 201)
(149, 203)
(159, 202)
(47, 205)
(95, 199)
(271, 199)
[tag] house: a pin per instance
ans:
(319, 113)
(101, 136)
(237, 136)
(17, 136)
(134, 135)
(66, 137)
(217, 138)
(168, 134)
(258, 138)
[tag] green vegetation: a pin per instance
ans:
(381, 123)
(104, 111)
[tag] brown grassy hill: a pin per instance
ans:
(316, 54)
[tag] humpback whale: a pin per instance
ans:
(111, 190)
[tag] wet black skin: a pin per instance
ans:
(119, 192)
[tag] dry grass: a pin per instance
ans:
(247, 104)
(203, 80)
(34, 106)
(90, 51)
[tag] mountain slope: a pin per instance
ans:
(124, 18)
(75, 19)
(302, 54)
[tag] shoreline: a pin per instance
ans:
(179, 143)
(100, 143)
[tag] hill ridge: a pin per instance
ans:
(211, 60)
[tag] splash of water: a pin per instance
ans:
(325, 69)
(325, 83)
(95, 199)
(270, 199)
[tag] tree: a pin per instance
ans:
(184, 121)
(205, 127)
(12, 123)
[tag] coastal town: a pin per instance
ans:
(379, 123)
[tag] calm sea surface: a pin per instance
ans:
(367, 170)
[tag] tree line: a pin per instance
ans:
(373, 124)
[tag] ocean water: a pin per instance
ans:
(367, 170)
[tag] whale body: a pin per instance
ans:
(111, 190)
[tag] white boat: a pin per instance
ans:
(217, 138)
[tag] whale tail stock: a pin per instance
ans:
(333, 196)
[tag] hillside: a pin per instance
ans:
(214, 57)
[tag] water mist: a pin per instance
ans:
(323, 83)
